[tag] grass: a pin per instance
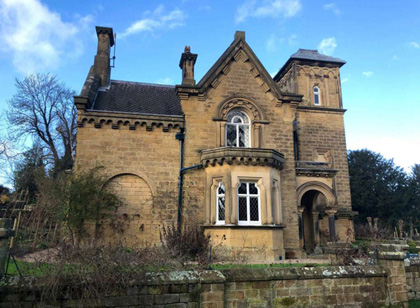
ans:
(27, 268)
(414, 303)
(275, 265)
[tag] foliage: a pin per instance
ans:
(43, 109)
(86, 272)
(190, 243)
(28, 170)
(381, 189)
(4, 194)
(412, 246)
(75, 200)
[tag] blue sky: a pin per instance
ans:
(380, 40)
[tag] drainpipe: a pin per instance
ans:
(181, 136)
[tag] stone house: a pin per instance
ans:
(259, 162)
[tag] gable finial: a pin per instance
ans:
(240, 35)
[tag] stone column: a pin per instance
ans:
(331, 224)
(301, 230)
(228, 200)
(315, 215)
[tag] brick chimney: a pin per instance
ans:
(187, 63)
(101, 65)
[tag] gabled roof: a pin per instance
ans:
(238, 44)
(309, 56)
(137, 97)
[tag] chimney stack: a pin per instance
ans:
(187, 63)
(101, 65)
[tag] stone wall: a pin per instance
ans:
(273, 287)
(413, 281)
(142, 166)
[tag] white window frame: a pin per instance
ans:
(318, 93)
(236, 125)
(218, 195)
(248, 222)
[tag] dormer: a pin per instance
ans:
(315, 76)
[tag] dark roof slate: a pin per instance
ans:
(310, 54)
(137, 97)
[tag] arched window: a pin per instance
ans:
(248, 204)
(317, 96)
(238, 129)
(220, 204)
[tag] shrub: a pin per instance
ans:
(188, 244)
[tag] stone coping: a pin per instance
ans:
(242, 156)
(232, 275)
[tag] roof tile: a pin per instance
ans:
(137, 97)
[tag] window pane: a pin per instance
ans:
(253, 208)
(235, 113)
(231, 135)
(221, 208)
(243, 216)
(242, 188)
(253, 189)
(316, 90)
(243, 136)
(221, 189)
(237, 119)
(316, 99)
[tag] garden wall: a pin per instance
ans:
(413, 281)
(343, 286)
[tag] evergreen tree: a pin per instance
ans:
(379, 188)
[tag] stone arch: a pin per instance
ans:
(141, 175)
(248, 105)
(320, 187)
(133, 222)
(134, 191)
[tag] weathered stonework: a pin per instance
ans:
(339, 286)
(294, 153)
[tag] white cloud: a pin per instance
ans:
(344, 80)
(293, 40)
(327, 46)
(367, 74)
(37, 38)
(332, 7)
(156, 20)
(273, 43)
(270, 8)
(414, 44)
(167, 80)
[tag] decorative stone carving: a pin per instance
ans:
(242, 156)
(118, 120)
(315, 169)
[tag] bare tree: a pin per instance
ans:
(43, 108)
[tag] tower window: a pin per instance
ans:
(317, 96)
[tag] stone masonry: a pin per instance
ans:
(291, 148)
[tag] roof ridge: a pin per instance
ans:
(143, 83)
